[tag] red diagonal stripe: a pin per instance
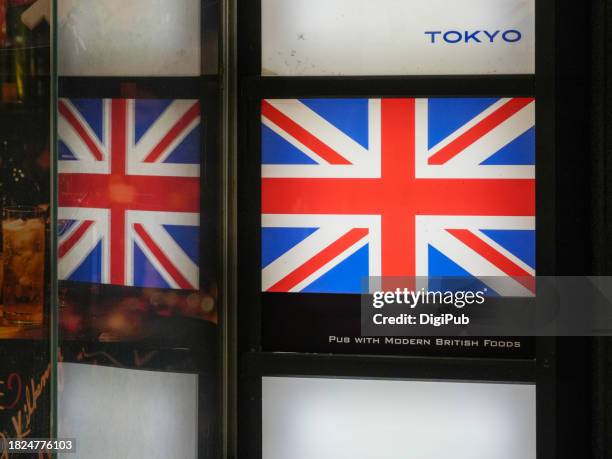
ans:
(302, 135)
(69, 243)
(494, 257)
(319, 260)
(480, 129)
(80, 130)
(173, 133)
(162, 258)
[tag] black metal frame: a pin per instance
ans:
(207, 89)
(601, 183)
(257, 365)
(252, 88)
(540, 371)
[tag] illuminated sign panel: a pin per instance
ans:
(397, 187)
(398, 37)
(118, 412)
(129, 38)
(326, 418)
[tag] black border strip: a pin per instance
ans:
(136, 87)
(401, 86)
(256, 365)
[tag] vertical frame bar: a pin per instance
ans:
(546, 217)
(228, 227)
(53, 277)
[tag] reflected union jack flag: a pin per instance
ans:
(397, 187)
(129, 192)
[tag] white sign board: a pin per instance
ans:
(122, 413)
(398, 37)
(306, 418)
(129, 37)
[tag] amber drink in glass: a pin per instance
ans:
(23, 231)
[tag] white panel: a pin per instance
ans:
(128, 414)
(129, 37)
(388, 37)
(306, 418)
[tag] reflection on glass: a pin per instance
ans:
(25, 161)
(1, 282)
(23, 230)
(136, 37)
(129, 196)
(136, 229)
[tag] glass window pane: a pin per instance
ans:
(137, 228)
(397, 37)
(27, 354)
(137, 276)
(129, 38)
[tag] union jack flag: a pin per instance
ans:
(397, 187)
(129, 192)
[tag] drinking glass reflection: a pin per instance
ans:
(23, 230)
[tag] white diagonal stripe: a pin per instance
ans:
(331, 264)
(469, 125)
(157, 131)
(431, 229)
(292, 140)
(174, 252)
(66, 129)
(509, 255)
(153, 260)
(346, 222)
(366, 165)
(467, 164)
(299, 254)
(478, 266)
(85, 161)
(152, 223)
(94, 234)
(494, 141)
(321, 129)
